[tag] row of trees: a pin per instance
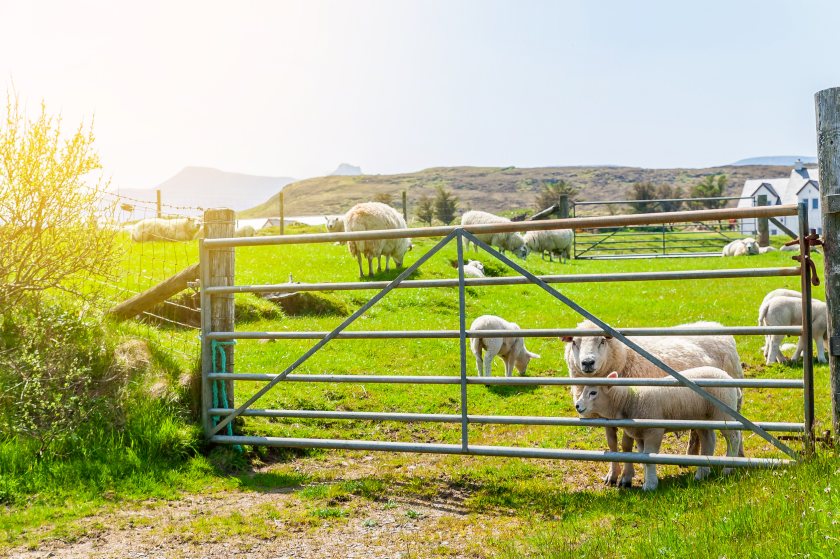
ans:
(667, 198)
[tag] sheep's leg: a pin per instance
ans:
(379, 264)
(800, 349)
(774, 354)
(652, 443)
(359, 259)
(488, 363)
(612, 444)
(388, 263)
(821, 350)
(479, 362)
(734, 445)
(629, 470)
(707, 448)
(370, 266)
(693, 443)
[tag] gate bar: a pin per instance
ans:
(514, 420)
(509, 451)
(524, 333)
(637, 348)
(515, 381)
(462, 343)
(349, 320)
(510, 227)
(512, 280)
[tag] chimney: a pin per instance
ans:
(798, 166)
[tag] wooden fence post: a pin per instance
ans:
(158, 204)
(763, 224)
(282, 213)
(405, 205)
(828, 154)
(220, 223)
(564, 206)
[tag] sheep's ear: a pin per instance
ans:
(612, 375)
(533, 355)
(567, 339)
(607, 337)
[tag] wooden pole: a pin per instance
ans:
(828, 154)
(220, 223)
(405, 205)
(154, 295)
(157, 195)
(282, 214)
(763, 224)
(564, 206)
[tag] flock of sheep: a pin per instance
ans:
(695, 357)
(372, 216)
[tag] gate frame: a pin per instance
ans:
(210, 336)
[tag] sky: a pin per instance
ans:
(287, 88)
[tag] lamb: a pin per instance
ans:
(159, 229)
(372, 216)
(246, 231)
(511, 350)
(503, 241)
(556, 241)
(741, 247)
(787, 311)
(334, 224)
(775, 293)
(474, 269)
(664, 402)
(597, 356)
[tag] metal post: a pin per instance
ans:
(663, 239)
(206, 346)
(462, 316)
(828, 152)
(158, 204)
(807, 335)
(282, 213)
(763, 224)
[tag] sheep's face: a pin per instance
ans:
(590, 402)
(522, 252)
(334, 224)
(522, 359)
(751, 245)
(589, 353)
(476, 264)
(192, 228)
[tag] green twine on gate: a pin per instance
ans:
(219, 385)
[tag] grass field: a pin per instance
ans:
(512, 507)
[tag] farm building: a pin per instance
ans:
(801, 186)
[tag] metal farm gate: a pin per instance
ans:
(702, 237)
(218, 332)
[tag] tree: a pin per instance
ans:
(712, 186)
(551, 190)
(666, 192)
(384, 197)
(52, 215)
(646, 193)
(425, 209)
(446, 205)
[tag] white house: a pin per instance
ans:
(802, 185)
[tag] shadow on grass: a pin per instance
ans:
(511, 390)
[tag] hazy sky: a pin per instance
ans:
(294, 88)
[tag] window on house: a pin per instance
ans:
(815, 203)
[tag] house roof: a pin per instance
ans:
(785, 189)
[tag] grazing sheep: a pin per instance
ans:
(556, 241)
(503, 241)
(511, 350)
(474, 269)
(664, 402)
(159, 229)
(246, 231)
(372, 216)
(775, 293)
(741, 247)
(787, 311)
(597, 356)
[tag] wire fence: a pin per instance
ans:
(146, 262)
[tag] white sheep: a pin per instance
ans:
(765, 250)
(513, 242)
(511, 350)
(334, 224)
(474, 269)
(372, 216)
(787, 311)
(555, 241)
(597, 356)
(664, 402)
(246, 231)
(775, 293)
(741, 247)
(159, 229)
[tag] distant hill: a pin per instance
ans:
(345, 169)
(211, 188)
(787, 160)
(493, 189)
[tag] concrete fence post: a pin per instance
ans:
(763, 224)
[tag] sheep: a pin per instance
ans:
(790, 248)
(158, 229)
(246, 231)
(597, 356)
(787, 311)
(513, 242)
(741, 247)
(775, 293)
(334, 224)
(371, 216)
(765, 250)
(664, 402)
(474, 269)
(556, 241)
(511, 350)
